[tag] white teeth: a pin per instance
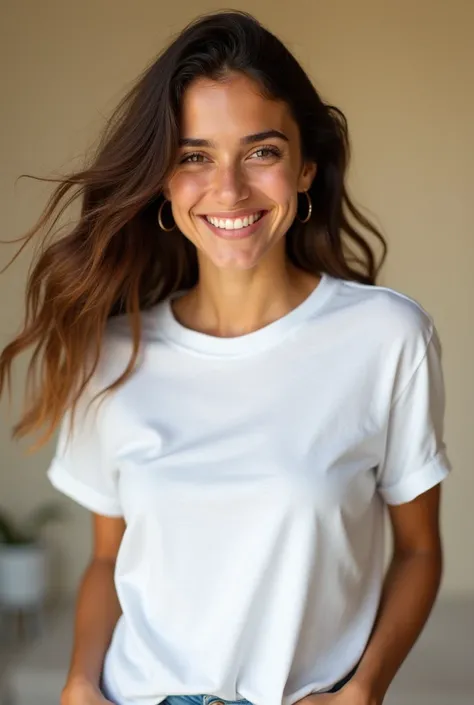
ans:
(237, 224)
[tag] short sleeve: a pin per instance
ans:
(81, 467)
(414, 458)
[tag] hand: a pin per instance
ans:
(82, 693)
(350, 694)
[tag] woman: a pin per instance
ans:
(264, 399)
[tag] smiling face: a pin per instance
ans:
(234, 187)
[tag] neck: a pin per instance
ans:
(229, 304)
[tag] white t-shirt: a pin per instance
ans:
(251, 472)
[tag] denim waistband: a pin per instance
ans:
(203, 699)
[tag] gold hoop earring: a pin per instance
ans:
(160, 221)
(310, 209)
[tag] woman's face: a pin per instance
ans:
(239, 160)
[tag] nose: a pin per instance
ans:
(230, 186)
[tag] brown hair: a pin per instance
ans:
(116, 260)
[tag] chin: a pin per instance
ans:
(235, 261)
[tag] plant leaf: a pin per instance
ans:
(45, 514)
(9, 533)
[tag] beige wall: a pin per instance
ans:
(402, 72)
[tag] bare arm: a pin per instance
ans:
(410, 589)
(97, 612)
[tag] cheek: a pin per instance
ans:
(186, 189)
(278, 183)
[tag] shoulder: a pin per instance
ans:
(384, 326)
(117, 347)
(394, 336)
(384, 313)
(118, 339)
(119, 330)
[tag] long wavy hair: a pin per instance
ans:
(116, 260)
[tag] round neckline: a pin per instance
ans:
(271, 334)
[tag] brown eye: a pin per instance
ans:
(192, 158)
(266, 152)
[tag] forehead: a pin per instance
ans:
(232, 106)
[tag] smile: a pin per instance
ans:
(234, 223)
(235, 228)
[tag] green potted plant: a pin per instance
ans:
(23, 559)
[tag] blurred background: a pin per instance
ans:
(402, 73)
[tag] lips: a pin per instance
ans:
(235, 223)
(239, 233)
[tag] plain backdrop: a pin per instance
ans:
(401, 72)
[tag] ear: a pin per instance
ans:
(308, 172)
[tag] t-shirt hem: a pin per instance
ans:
(431, 474)
(83, 495)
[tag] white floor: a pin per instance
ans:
(439, 671)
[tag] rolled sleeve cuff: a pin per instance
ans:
(82, 494)
(413, 485)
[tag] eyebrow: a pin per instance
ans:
(248, 139)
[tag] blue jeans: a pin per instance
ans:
(209, 699)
